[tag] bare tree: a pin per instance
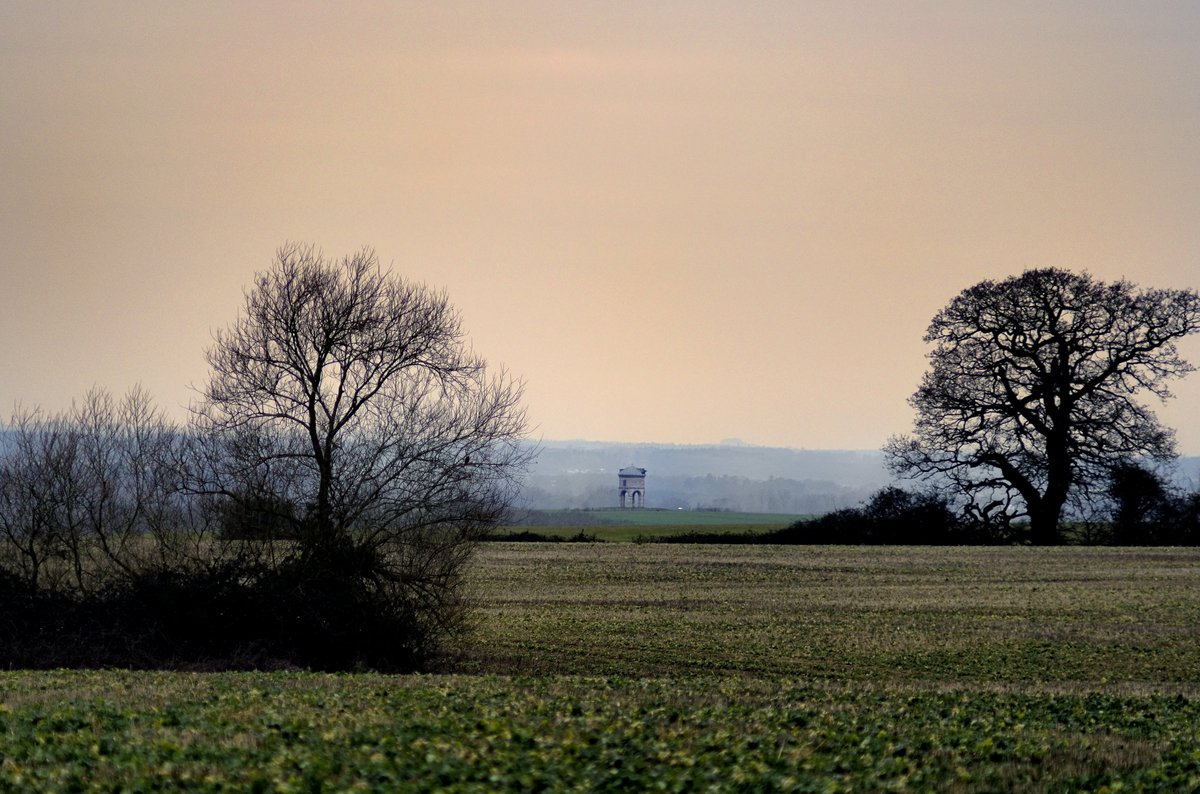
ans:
(346, 420)
(89, 495)
(349, 397)
(38, 452)
(1030, 397)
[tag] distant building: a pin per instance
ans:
(633, 487)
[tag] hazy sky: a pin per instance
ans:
(677, 221)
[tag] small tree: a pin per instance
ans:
(90, 496)
(1138, 495)
(1147, 511)
(35, 473)
(351, 394)
(1032, 386)
(890, 516)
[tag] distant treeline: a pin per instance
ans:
(582, 476)
(1143, 511)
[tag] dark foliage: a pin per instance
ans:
(1146, 512)
(224, 618)
(891, 516)
(261, 516)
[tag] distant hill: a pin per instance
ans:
(583, 474)
(847, 467)
(1187, 473)
(736, 477)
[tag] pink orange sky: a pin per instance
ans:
(678, 221)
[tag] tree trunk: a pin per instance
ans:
(1043, 524)
(1045, 513)
(1044, 521)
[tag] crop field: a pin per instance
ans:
(984, 615)
(641, 667)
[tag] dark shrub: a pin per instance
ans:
(891, 516)
(1146, 512)
(260, 516)
(223, 618)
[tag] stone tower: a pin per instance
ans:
(633, 487)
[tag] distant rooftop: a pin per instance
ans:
(632, 471)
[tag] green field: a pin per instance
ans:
(628, 525)
(675, 518)
(638, 667)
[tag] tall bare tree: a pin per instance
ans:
(351, 395)
(1031, 394)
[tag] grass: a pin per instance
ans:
(625, 533)
(634, 667)
(631, 525)
(694, 518)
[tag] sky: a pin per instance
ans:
(677, 222)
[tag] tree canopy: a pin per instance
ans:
(351, 394)
(1032, 391)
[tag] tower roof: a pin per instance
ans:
(632, 471)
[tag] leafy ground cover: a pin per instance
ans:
(640, 667)
(78, 731)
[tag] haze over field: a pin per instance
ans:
(579, 474)
(679, 222)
